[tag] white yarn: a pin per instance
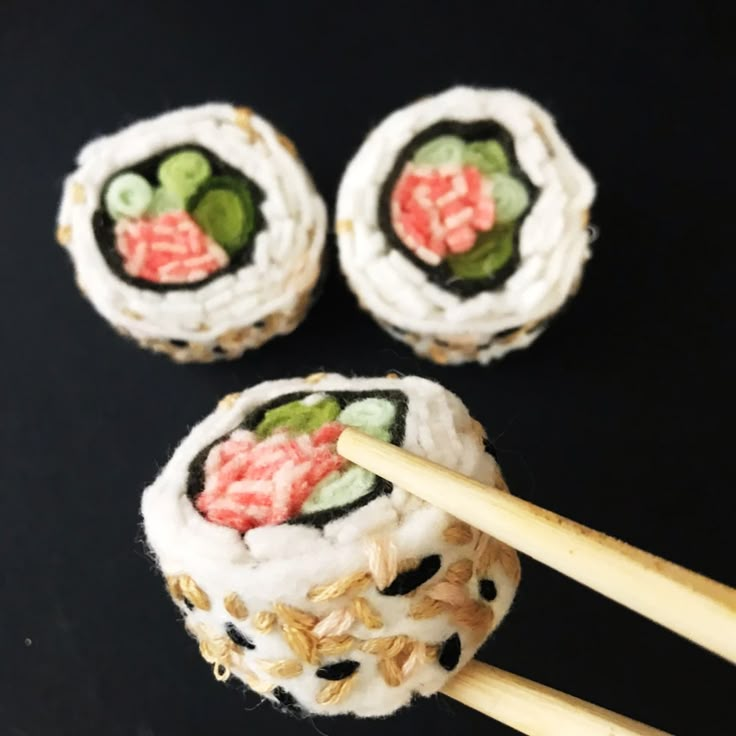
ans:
(553, 241)
(280, 564)
(287, 252)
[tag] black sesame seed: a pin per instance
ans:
(338, 670)
(410, 580)
(450, 653)
(238, 637)
(488, 590)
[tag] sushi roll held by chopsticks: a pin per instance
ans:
(463, 223)
(319, 585)
(198, 233)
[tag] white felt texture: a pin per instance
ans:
(280, 564)
(553, 243)
(287, 252)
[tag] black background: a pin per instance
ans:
(621, 416)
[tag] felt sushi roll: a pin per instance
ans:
(317, 584)
(197, 233)
(463, 223)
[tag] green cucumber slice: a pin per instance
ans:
(127, 195)
(510, 197)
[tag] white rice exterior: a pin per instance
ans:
(553, 242)
(273, 288)
(279, 564)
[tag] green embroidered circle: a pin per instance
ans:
(344, 489)
(510, 196)
(164, 200)
(128, 195)
(183, 172)
(492, 250)
(223, 208)
(297, 417)
(374, 416)
(445, 149)
(487, 156)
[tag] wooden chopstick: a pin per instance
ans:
(534, 709)
(690, 604)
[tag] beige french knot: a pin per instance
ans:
(235, 607)
(485, 554)
(333, 645)
(459, 572)
(450, 593)
(427, 607)
(396, 666)
(264, 621)
(227, 401)
(382, 561)
(285, 668)
(295, 617)
(182, 586)
(336, 623)
(302, 643)
(366, 614)
(509, 562)
(339, 587)
(333, 692)
(219, 651)
(131, 313)
(64, 234)
(243, 116)
(385, 646)
(315, 377)
(288, 144)
(458, 533)
(390, 670)
(173, 588)
(474, 615)
(79, 196)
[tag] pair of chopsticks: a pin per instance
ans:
(690, 604)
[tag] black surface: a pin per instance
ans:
(621, 416)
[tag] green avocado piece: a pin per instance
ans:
(445, 149)
(164, 200)
(491, 251)
(223, 208)
(487, 156)
(297, 417)
(182, 172)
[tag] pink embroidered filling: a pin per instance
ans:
(167, 249)
(251, 482)
(437, 212)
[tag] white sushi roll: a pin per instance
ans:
(320, 586)
(197, 233)
(462, 223)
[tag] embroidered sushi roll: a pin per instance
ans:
(197, 233)
(462, 223)
(317, 584)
